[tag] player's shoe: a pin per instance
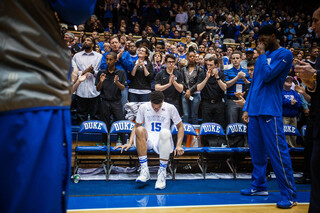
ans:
(144, 175)
(253, 192)
(286, 204)
(161, 180)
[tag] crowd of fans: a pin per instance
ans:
(209, 73)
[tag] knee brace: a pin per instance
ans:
(164, 144)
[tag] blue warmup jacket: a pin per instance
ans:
(288, 109)
(270, 72)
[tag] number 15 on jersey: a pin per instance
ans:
(155, 127)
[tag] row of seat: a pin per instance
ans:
(205, 154)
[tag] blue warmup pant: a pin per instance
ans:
(266, 138)
(35, 160)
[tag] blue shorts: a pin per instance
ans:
(35, 158)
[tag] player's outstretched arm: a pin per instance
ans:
(127, 146)
(179, 150)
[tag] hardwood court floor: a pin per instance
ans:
(271, 208)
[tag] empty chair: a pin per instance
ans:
(91, 150)
(188, 151)
(123, 126)
(221, 153)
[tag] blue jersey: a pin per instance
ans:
(231, 74)
(270, 72)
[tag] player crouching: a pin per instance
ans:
(155, 134)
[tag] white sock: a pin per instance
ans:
(143, 161)
(163, 164)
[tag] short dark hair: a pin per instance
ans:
(236, 52)
(156, 97)
(251, 63)
(169, 56)
(268, 30)
(214, 59)
(113, 54)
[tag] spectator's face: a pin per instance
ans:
(132, 48)
(201, 60)
(255, 54)
(142, 53)
(106, 47)
(173, 49)
(235, 60)
(176, 34)
(106, 35)
(136, 29)
(188, 38)
(67, 38)
(201, 48)
(210, 65)
(157, 57)
(111, 61)
(250, 71)
(95, 35)
(210, 50)
(180, 48)
(249, 55)
(88, 43)
(229, 51)
(316, 21)
(159, 48)
(115, 44)
(191, 58)
(315, 52)
(170, 63)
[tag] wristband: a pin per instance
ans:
(218, 79)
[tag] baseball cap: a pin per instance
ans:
(180, 43)
(249, 50)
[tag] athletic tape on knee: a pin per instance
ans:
(164, 144)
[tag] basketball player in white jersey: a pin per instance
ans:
(156, 116)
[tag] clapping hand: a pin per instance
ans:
(102, 77)
(83, 77)
(116, 78)
(241, 74)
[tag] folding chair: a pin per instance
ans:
(292, 130)
(215, 153)
(91, 127)
(188, 151)
(123, 126)
(237, 129)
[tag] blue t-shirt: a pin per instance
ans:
(270, 72)
(290, 110)
(231, 74)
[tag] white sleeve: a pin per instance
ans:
(175, 117)
(140, 115)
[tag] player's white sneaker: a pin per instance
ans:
(144, 175)
(161, 180)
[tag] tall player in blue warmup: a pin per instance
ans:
(35, 99)
(263, 111)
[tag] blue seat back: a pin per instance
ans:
(211, 129)
(236, 129)
(123, 126)
(188, 129)
(93, 126)
(291, 130)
